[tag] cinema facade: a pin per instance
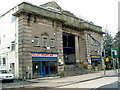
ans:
(37, 41)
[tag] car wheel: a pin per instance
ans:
(11, 80)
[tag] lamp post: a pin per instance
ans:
(118, 50)
(104, 62)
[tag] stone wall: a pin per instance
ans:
(92, 48)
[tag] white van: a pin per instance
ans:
(5, 75)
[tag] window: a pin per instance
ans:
(13, 45)
(36, 41)
(0, 60)
(4, 60)
(29, 17)
(13, 18)
(92, 47)
(52, 43)
(45, 42)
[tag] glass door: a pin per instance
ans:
(53, 67)
(45, 68)
(36, 68)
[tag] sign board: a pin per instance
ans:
(44, 55)
(114, 52)
(95, 57)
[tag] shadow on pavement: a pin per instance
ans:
(112, 86)
(113, 76)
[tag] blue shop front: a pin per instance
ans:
(96, 61)
(44, 64)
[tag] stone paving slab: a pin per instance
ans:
(57, 82)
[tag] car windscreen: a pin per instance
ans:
(3, 71)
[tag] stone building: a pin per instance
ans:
(37, 41)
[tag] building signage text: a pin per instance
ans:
(43, 55)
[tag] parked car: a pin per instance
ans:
(6, 76)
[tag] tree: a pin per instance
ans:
(115, 40)
(108, 42)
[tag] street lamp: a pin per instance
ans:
(118, 49)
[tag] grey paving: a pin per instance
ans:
(53, 82)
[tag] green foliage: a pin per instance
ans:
(110, 58)
(116, 39)
(85, 66)
(108, 42)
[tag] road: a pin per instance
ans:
(96, 84)
(114, 85)
(106, 82)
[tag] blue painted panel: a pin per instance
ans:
(49, 68)
(44, 59)
(41, 68)
(96, 59)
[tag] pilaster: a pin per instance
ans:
(24, 46)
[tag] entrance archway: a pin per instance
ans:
(69, 48)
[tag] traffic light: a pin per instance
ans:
(106, 53)
(113, 54)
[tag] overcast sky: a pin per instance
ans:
(101, 12)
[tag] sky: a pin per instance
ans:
(103, 13)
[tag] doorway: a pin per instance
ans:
(12, 66)
(45, 68)
(36, 68)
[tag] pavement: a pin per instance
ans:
(58, 81)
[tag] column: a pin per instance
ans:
(77, 49)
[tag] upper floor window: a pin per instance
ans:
(13, 19)
(52, 43)
(4, 60)
(92, 47)
(45, 41)
(0, 60)
(13, 45)
(36, 41)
